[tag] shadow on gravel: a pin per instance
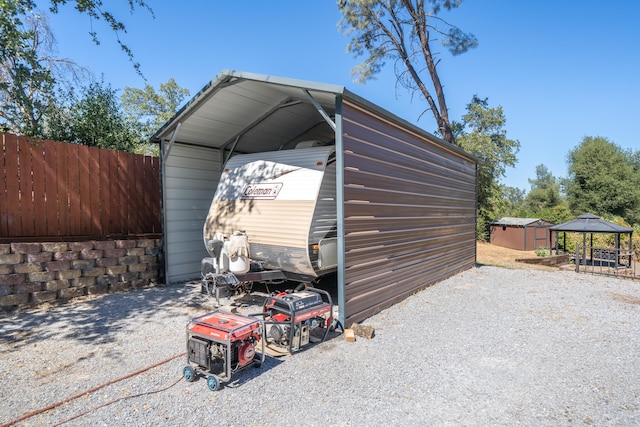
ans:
(97, 320)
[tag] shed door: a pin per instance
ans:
(409, 212)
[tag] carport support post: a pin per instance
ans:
(340, 211)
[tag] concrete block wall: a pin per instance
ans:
(34, 273)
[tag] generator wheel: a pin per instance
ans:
(189, 374)
(257, 364)
(212, 383)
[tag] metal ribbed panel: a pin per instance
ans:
(187, 177)
(409, 212)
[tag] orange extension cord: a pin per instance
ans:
(69, 399)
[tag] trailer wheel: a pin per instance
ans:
(189, 374)
(212, 383)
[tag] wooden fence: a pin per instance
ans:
(54, 190)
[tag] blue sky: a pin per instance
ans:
(561, 70)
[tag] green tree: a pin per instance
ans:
(556, 214)
(482, 134)
(603, 179)
(96, 118)
(26, 79)
(401, 31)
(513, 198)
(150, 109)
(545, 192)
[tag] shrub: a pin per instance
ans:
(542, 252)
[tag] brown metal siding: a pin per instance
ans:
(409, 212)
(508, 237)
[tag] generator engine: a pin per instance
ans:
(291, 316)
(221, 343)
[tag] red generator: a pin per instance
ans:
(290, 317)
(221, 343)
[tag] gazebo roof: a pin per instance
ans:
(590, 223)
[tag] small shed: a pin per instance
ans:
(523, 234)
(406, 199)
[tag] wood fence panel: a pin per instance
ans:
(84, 190)
(115, 196)
(4, 227)
(125, 165)
(54, 189)
(38, 173)
(12, 186)
(75, 206)
(139, 191)
(148, 208)
(96, 191)
(26, 185)
(105, 195)
(134, 202)
(63, 189)
(156, 194)
(51, 188)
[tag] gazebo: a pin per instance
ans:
(591, 224)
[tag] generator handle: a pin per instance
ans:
(330, 301)
(262, 314)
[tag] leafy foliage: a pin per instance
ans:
(603, 179)
(26, 80)
(512, 199)
(544, 195)
(401, 30)
(45, 96)
(95, 118)
(482, 134)
(151, 109)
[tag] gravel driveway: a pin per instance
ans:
(489, 346)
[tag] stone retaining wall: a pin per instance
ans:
(34, 273)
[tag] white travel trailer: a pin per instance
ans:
(273, 217)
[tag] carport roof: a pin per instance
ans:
(590, 223)
(247, 112)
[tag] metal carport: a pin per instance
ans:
(406, 199)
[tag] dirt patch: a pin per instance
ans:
(626, 298)
(498, 256)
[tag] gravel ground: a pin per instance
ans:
(489, 346)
